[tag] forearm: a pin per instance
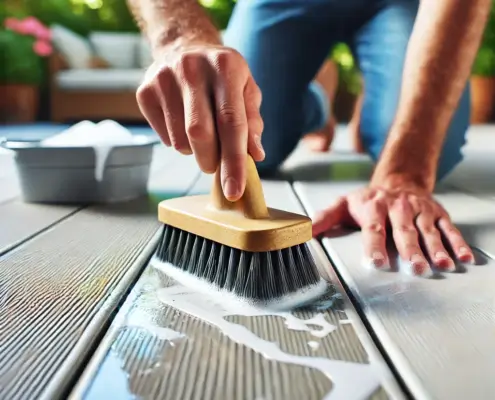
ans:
(440, 54)
(168, 22)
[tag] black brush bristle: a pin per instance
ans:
(257, 276)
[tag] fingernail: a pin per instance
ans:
(443, 261)
(465, 255)
(231, 188)
(377, 260)
(419, 265)
(257, 140)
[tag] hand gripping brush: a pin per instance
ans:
(259, 254)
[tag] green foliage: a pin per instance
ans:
(484, 63)
(219, 10)
(349, 74)
(84, 16)
(22, 65)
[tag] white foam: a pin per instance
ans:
(102, 137)
(314, 345)
(351, 381)
(283, 303)
(137, 319)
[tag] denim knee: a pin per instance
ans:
(375, 135)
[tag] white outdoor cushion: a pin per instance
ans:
(75, 49)
(145, 59)
(100, 79)
(119, 49)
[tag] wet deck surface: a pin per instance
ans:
(83, 311)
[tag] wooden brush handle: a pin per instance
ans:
(252, 203)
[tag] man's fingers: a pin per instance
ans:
(151, 109)
(433, 241)
(459, 246)
(330, 217)
(406, 236)
(374, 233)
(252, 101)
(198, 115)
(232, 126)
(170, 96)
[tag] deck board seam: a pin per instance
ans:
(35, 235)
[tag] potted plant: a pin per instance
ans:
(24, 43)
(483, 76)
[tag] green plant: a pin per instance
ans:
(484, 63)
(219, 10)
(349, 74)
(24, 43)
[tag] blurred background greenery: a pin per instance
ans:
(84, 16)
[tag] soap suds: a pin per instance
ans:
(314, 345)
(102, 137)
(138, 320)
(289, 302)
(213, 310)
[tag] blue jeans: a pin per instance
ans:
(285, 42)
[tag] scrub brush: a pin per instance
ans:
(258, 254)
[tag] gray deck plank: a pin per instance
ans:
(437, 332)
(146, 356)
(21, 221)
(59, 289)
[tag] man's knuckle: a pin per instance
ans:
(376, 227)
(188, 66)
(405, 228)
(452, 231)
(144, 93)
(165, 75)
(256, 126)
(196, 131)
(228, 115)
(428, 229)
(225, 60)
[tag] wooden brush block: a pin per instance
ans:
(246, 224)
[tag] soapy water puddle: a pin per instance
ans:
(350, 380)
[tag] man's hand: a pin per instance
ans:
(202, 99)
(415, 219)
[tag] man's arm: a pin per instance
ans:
(198, 95)
(440, 54)
(170, 22)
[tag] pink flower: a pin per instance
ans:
(13, 24)
(28, 26)
(33, 26)
(42, 48)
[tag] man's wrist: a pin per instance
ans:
(405, 162)
(404, 181)
(169, 23)
(165, 43)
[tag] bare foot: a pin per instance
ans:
(321, 140)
